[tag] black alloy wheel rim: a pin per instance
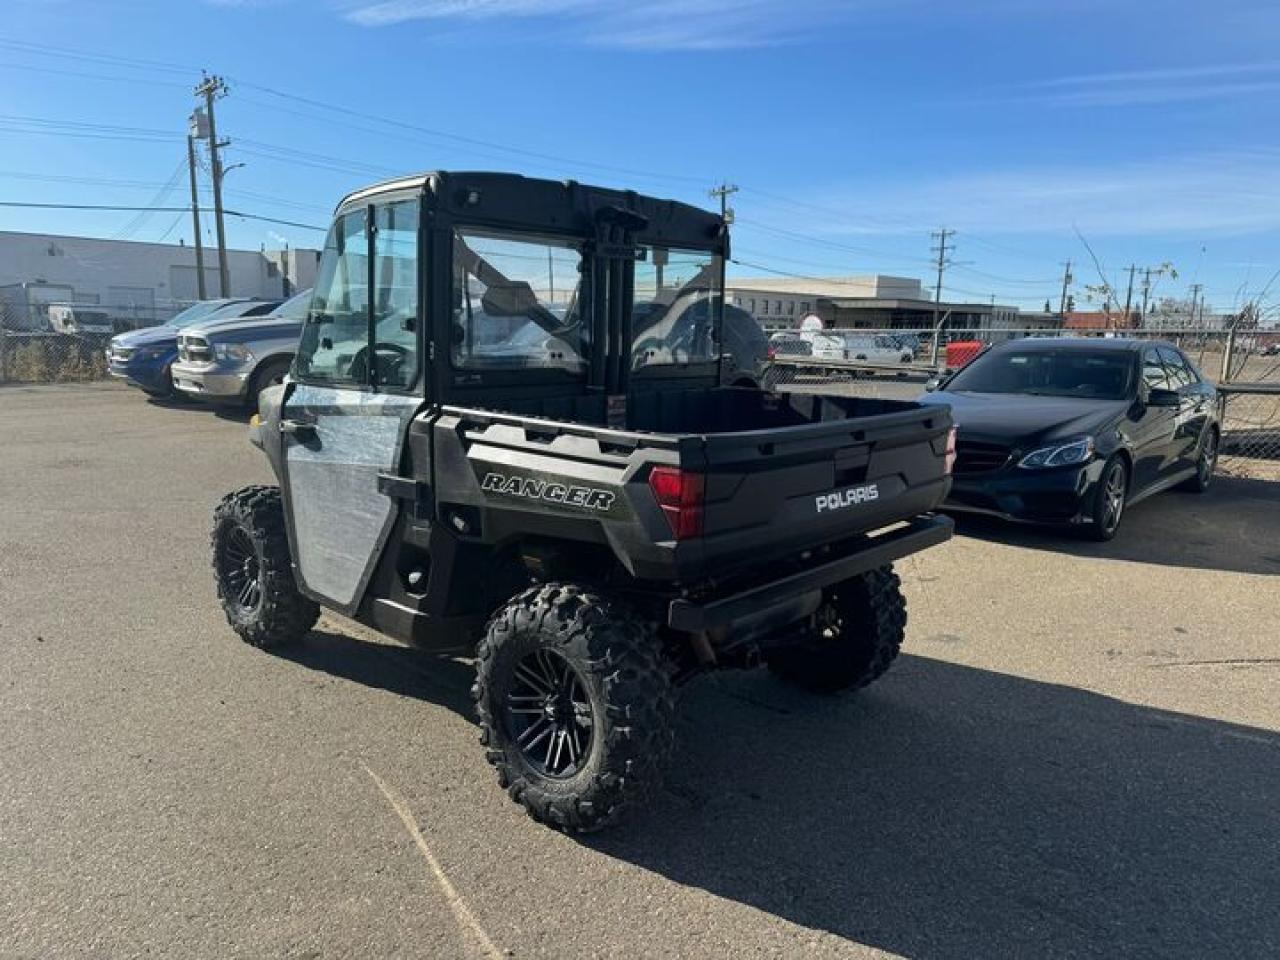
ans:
(240, 571)
(1113, 498)
(1208, 458)
(549, 715)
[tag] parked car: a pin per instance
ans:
(597, 532)
(145, 357)
(1075, 432)
(826, 346)
(232, 360)
(787, 345)
(71, 318)
(879, 348)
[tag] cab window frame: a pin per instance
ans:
(413, 382)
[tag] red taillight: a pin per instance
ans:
(951, 450)
(679, 493)
(773, 352)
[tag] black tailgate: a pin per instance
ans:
(770, 493)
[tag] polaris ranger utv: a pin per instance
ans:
(507, 433)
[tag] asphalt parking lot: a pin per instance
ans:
(1079, 754)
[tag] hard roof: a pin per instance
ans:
(1082, 343)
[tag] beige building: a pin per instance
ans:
(848, 303)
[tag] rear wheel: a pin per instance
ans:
(856, 634)
(1110, 501)
(1206, 464)
(254, 572)
(575, 706)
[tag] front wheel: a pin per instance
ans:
(1110, 500)
(575, 705)
(854, 637)
(254, 572)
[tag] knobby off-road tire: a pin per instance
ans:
(596, 672)
(252, 568)
(859, 632)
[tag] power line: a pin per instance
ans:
(822, 242)
(162, 195)
(23, 204)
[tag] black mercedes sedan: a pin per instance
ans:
(1073, 431)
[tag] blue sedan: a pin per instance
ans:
(144, 357)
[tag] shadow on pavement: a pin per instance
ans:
(955, 813)
(1234, 526)
(400, 670)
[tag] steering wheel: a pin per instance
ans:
(394, 353)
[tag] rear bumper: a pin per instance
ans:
(210, 382)
(867, 554)
(1063, 496)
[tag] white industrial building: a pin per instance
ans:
(142, 282)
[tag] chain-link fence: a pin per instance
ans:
(55, 342)
(52, 357)
(898, 364)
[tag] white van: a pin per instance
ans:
(69, 318)
(878, 348)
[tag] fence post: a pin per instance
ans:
(1227, 352)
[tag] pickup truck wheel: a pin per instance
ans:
(270, 374)
(575, 705)
(254, 574)
(857, 634)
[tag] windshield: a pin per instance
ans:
(295, 308)
(1100, 374)
(198, 312)
(677, 307)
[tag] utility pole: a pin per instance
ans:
(1066, 283)
(1195, 296)
(211, 88)
(1128, 297)
(941, 250)
(195, 214)
(1146, 296)
(724, 191)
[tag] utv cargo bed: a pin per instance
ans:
(810, 471)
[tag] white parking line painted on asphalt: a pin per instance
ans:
(466, 919)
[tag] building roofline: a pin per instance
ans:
(139, 243)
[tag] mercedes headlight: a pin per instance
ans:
(1059, 455)
(232, 351)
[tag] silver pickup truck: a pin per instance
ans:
(232, 361)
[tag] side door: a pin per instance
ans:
(1193, 411)
(359, 375)
(1152, 427)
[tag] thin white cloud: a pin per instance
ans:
(1124, 88)
(640, 24)
(389, 12)
(1161, 75)
(1231, 192)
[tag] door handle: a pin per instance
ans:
(302, 429)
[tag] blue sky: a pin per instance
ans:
(854, 128)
